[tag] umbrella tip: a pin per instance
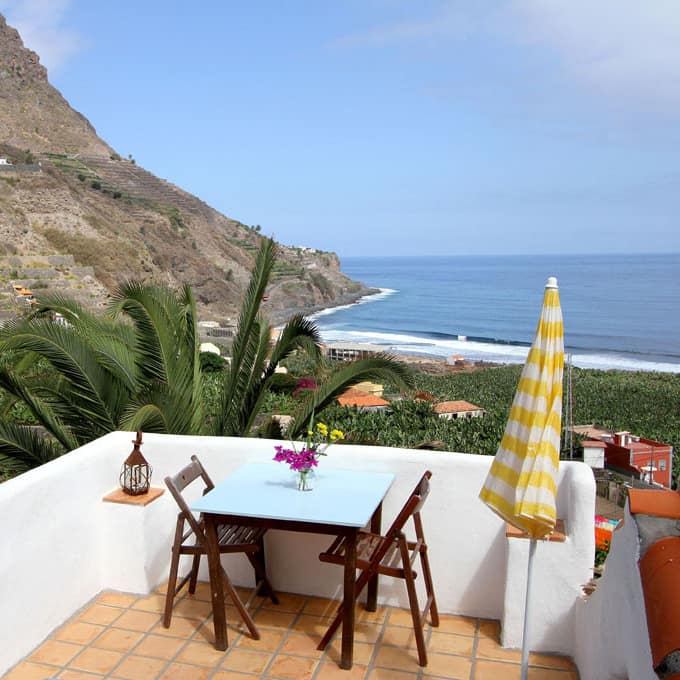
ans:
(551, 282)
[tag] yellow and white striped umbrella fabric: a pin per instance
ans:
(521, 485)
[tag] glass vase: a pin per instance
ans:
(304, 479)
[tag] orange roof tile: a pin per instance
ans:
(657, 502)
(660, 575)
(354, 397)
(459, 406)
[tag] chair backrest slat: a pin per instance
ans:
(413, 505)
(176, 485)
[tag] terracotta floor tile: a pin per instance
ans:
(331, 671)
(79, 632)
(232, 675)
(192, 609)
(551, 674)
(363, 652)
(269, 641)
(96, 660)
(463, 625)
(201, 654)
(550, 661)
(151, 603)
(202, 591)
(317, 606)
(30, 671)
(301, 645)
(398, 658)
(179, 671)
(312, 625)
(399, 636)
(137, 667)
(68, 674)
(389, 674)
(490, 629)
(116, 599)
(55, 652)
(490, 649)
(270, 618)
(365, 632)
(378, 616)
(101, 614)
(244, 593)
(288, 602)
(246, 661)
(451, 643)
(400, 617)
(293, 667)
(497, 670)
(137, 620)
(118, 640)
(449, 666)
(179, 627)
(159, 646)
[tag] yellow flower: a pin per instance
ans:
(310, 433)
(323, 429)
(337, 434)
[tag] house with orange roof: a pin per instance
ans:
(458, 409)
(362, 401)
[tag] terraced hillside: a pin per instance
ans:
(67, 193)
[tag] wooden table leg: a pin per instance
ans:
(347, 654)
(216, 585)
(372, 593)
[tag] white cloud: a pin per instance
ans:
(619, 49)
(39, 23)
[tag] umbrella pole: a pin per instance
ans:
(527, 609)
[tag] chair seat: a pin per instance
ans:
(368, 545)
(231, 538)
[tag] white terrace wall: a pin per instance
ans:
(612, 639)
(62, 545)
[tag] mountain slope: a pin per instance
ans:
(67, 192)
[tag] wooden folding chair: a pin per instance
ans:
(393, 555)
(231, 538)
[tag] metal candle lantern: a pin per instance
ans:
(136, 472)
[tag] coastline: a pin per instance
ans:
(280, 316)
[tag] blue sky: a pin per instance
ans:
(391, 127)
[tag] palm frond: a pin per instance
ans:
(298, 333)
(74, 358)
(23, 448)
(250, 308)
(42, 411)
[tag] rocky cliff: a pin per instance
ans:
(64, 191)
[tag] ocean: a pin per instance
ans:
(620, 311)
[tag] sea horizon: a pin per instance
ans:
(618, 308)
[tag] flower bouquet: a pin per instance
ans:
(304, 461)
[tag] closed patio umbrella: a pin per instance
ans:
(521, 485)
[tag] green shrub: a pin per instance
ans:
(117, 194)
(96, 185)
(211, 363)
(81, 177)
(283, 383)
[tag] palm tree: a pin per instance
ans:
(255, 358)
(134, 368)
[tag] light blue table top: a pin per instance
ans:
(267, 490)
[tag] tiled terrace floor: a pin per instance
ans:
(120, 636)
